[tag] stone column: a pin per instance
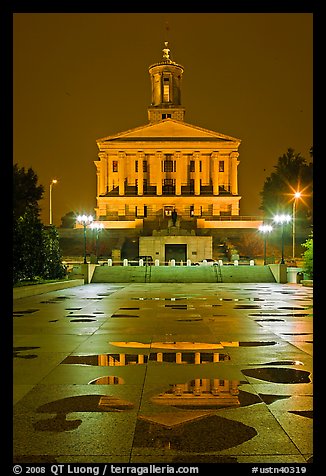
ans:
(178, 175)
(140, 158)
(214, 172)
(159, 174)
(121, 172)
(196, 156)
(234, 172)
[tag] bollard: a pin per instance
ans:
(125, 262)
(252, 262)
(157, 262)
(141, 262)
(236, 262)
(181, 263)
(109, 262)
(205, 262)
(188, 262)
(220, 262)
(172, 262)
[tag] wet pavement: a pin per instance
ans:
(164, 373)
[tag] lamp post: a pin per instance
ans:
(265, 229)
(85, 220)
(281, 219)
(54, 181)
(98, 227)
(295, 197)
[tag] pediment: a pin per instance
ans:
(168, 129)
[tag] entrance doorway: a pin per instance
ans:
(177, 252)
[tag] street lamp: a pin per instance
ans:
(296, 195)
(281, 219)
(54, 181)
(98, 227)
(85, 220)
(265, 229)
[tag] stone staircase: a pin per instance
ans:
(183, 274)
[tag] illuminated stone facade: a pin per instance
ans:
(146, 172)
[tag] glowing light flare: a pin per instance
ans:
(265, 228)
(283, 218)
(85, 219)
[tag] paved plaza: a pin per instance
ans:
(164, 373)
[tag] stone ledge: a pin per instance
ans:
(34, 289)
(307, 282)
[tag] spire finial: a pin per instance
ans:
(166, 51)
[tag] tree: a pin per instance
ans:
(308, 256)
(68, 220)
(27, 244)
(35, 248)
(292, 173)
(26, 192)
(52, 260)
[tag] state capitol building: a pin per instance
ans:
(147, 173)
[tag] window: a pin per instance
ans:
(166, 116)
(114, 166)
(192, 166)
(136, 165)
(166, 90)
(221, 166)
(168, 165)
(200, 166)
(144, 165)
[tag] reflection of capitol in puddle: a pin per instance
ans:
(201, 392)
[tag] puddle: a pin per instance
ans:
(188, 357)
(296, 334)
(194, 319)
(178, 306)
(293, 314)
(106, 360)
(25, 311)
(108, 380)
(194, 346)
(303, 413)
(159, 299)
(246, 306)
(79, 316)
(293, 308)
(82, 403)
(17, 353)
(256, 343)
(124, 315)
(211, 394)
(190, 432)
(269, 320)
(269, 399)
(275, 375)
(82, 320)
(55, 300)
(284, 362)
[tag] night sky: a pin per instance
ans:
(78, 77)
